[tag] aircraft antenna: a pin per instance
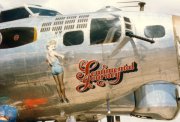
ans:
(141, 5)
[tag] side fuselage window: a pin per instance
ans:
(73, 38)
(154, 31)
(105, 30)
(14, 14)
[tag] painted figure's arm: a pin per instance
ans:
(59, 55)
(48, 61)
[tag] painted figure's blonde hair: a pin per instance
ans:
(51, 42)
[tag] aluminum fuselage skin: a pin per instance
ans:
(24, 72)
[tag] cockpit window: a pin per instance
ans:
(43, 12)
(105, 30)
(14, 14)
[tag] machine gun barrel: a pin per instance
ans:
(130, 34)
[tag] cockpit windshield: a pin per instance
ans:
(14, 14)
(24, 12)
(43, 12)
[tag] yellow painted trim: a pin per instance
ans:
(35, 34)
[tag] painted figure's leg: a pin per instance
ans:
(58, 88)
(61, 77)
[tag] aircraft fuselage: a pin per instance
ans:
(93, 69)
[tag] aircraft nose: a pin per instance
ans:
(17, 36)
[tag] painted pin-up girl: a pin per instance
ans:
(54, 60)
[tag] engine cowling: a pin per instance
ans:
(17, 36)
(157, 100)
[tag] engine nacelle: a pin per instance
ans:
(157, 100)
(17, 36)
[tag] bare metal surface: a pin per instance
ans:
(156, 100)
(24, 73)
